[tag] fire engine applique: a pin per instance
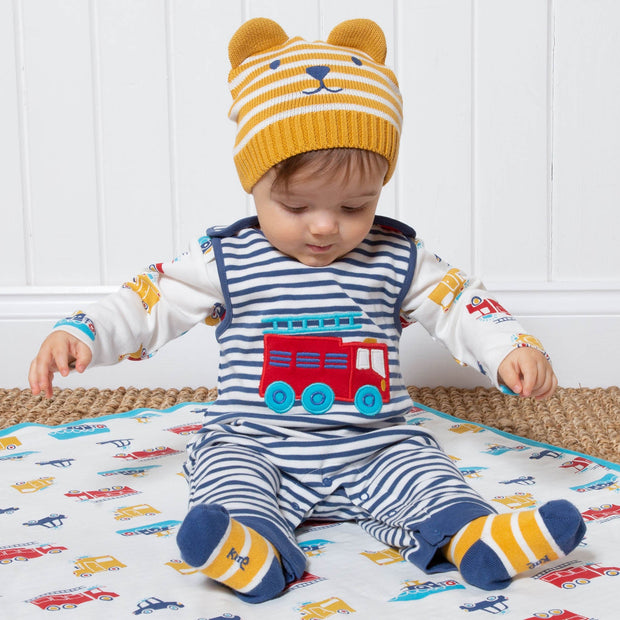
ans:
(322, 369)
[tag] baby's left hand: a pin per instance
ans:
(527, 372)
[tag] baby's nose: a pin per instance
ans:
(318, 72)
(324, 224)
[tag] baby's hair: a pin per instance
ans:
(326, 162)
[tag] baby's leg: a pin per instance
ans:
(234, 530)
(419, 502)
(491, 550)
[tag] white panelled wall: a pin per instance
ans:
(115, 150)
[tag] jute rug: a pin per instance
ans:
(583, 420)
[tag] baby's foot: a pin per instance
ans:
(491, 550)
(231, 553)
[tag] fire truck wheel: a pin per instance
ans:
(317, 398)
(368, 400)
(279, 396)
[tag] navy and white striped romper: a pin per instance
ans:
(309, 416)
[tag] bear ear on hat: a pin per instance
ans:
(361, 34)
(256, 35)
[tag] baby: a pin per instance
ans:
(309, 299)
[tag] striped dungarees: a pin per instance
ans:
(308, 421)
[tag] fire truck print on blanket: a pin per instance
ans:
(89, 513)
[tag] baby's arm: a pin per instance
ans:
(527, 372)
(158, 305)
(59, 351)
(477, 330)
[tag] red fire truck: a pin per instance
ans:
(321, 369)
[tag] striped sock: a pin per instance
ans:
(491, 550)
(231, 553)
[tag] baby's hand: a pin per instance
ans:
(58, 351)
(527, 372)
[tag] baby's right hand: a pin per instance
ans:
(58, 351)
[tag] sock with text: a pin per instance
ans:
(231, 553)
(490, 550)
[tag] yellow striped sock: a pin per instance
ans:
(490, 550)
(232, 553)
(242, 558)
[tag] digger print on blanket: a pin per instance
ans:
(322, 369)
(89, 512)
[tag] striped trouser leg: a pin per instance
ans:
(246, 484)
(416, 500)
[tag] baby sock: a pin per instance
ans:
(231, 553)
(490, 550)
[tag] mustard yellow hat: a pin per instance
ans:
(291, 96)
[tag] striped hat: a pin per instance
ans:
(291, 96)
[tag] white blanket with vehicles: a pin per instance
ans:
(89, 513)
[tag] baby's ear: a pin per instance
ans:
(256, 35)
(361, 34)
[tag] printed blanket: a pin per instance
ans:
(89, 513)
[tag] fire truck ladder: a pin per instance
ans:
(304, 324)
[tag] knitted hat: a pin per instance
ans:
(291, 96)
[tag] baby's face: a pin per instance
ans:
(318, 218)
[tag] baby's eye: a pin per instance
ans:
(294, 209)
(275, 64)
